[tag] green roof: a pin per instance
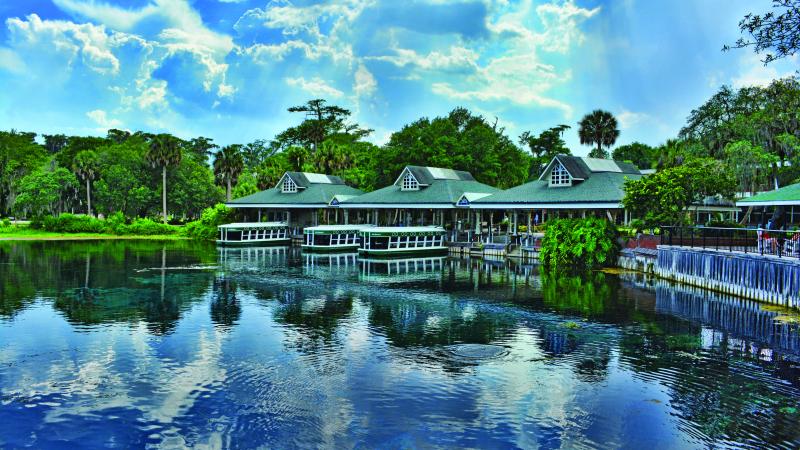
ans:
(440, 191)
(785, 196)
(313, 189)
(600, 187)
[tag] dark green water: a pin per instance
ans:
(135, 344)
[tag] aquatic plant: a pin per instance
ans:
(579, 244)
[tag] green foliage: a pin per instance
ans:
(228, 164)
(460, 141)
(751, 165)
(641, 155)
(20, 156)
(544, 148)
(776, 32)
(663, 197)
(579, 244)
(210, 219)
(45, 192)
(598, 128)
(115, 224)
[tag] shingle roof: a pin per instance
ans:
(427, 175)
(439, 192)
(600, 187)
(313, 189)
(582, 168)
(787, 195)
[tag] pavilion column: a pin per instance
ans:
(346, 217)
(259, 214)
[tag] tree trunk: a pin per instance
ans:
(88, 198)
(228, 191)
(164, 191)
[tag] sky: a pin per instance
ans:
(229, 69)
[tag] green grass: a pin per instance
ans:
(24, 232)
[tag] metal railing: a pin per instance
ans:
(780, 243)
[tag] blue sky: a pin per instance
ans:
(228, 69)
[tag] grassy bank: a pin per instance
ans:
(26, 233)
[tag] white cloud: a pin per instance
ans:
(629, 119)
(10, 61)
(365, 84)
(101, 118)
(315, 86)
(457, 58)
(753, 72)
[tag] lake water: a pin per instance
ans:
(134, 344)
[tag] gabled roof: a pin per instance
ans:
(314, 190)
(444, 187)
(600, 187)
(581, 168)
(305, 179)
(785, 196)
(427, 175)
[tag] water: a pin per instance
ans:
(136, 344)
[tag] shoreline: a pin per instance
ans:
(90, 237)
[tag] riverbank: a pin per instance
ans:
(25, 233)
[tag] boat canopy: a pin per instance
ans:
(253, 225)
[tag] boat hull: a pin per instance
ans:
(404, 252)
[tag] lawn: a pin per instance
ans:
(26, 233)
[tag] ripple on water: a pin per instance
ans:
(477, 351)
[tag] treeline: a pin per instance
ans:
(750, 136)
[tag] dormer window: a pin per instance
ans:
(410, 183)
(289, 186)
(559, 176)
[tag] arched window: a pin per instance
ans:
(410, 183)
(559, 176)
(288, 186)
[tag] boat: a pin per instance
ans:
(402, 241)
(394, 270)
(331, 238)
(254, 233)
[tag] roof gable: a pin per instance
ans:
(426, 176)
(581, 168)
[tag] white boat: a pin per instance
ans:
(254, 233)
(329, 238)
(402, 241)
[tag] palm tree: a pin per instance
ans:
(598, 128)
(163, 152)
(85, 165)
(228, 164)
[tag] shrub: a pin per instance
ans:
(210, 219)
(6, 223)
(149, 227)
(71, 223)
(579, 244)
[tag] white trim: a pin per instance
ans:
(397, 181)
(770, 203)
(277, 205)
(399, 205)
(607, 205)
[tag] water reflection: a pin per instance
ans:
(150, 343)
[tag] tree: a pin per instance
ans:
(663, 197)
(776, 32)
(321, 122)
(86, 167)
(53, 143)
(639, 154)
(544, 147)
(45, 192)
(228, 164)
(164, 152)
(20, 156)
(256, 152)
(461, 141)
(750, 165)
(201, 148)
(118, 136)
(598, 128)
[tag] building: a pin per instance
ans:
(786, 199)
(570, 186)
(300, 199)
(421, 196)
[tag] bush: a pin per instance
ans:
(115, 224)
(210, 219)
(579, 244)
(71, 223)
(6, 223)
(148, 227)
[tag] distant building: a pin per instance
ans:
(787, 198)
(570, 186)
(300, 199)
(420, 196)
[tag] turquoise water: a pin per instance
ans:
(136, 344)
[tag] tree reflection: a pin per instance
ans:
(225, 308)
